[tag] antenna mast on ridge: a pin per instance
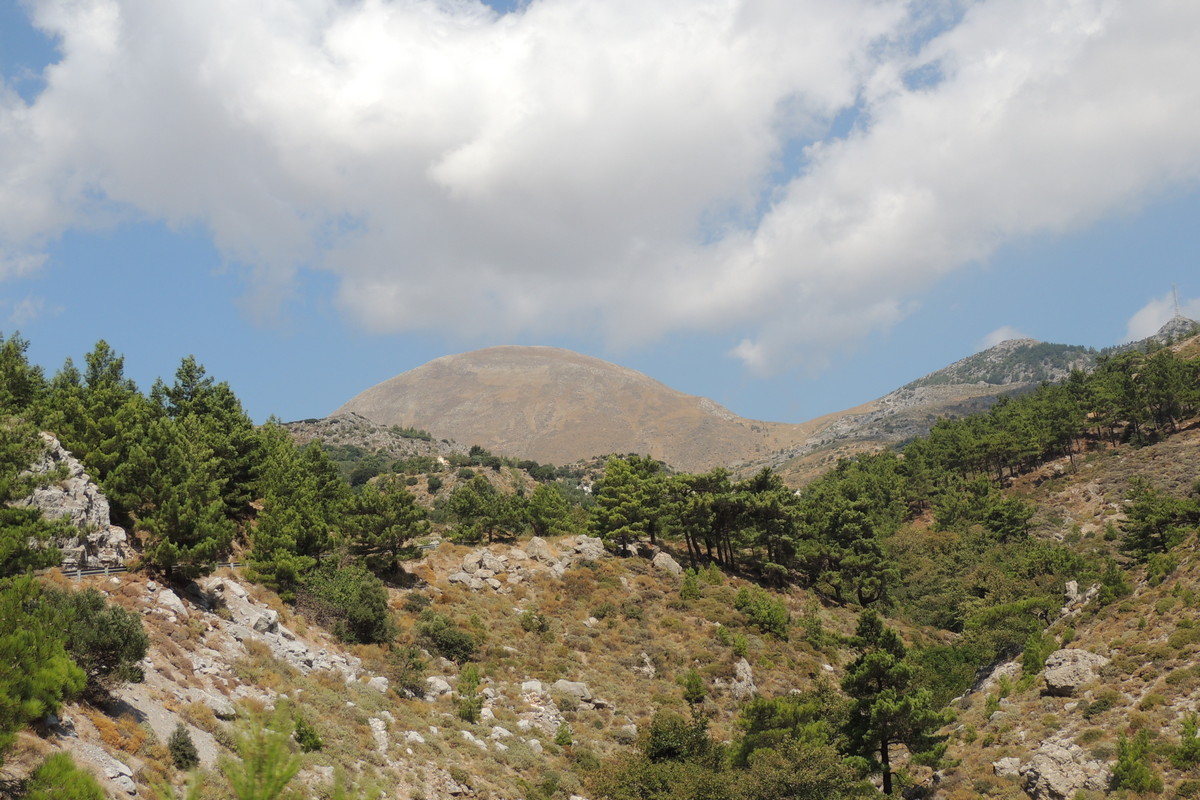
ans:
(1175, 295)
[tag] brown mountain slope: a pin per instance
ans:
(557, 406)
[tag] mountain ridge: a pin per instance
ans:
(559, 406)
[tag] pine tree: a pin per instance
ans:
(887, 712)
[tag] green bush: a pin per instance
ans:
(106, 641)
(1132, 770)
(445, 638)
(58, 778)
(765, 612)
(406, 670)
(563, 736)
(182, 748)
(433, 483)
(348, 598)
(1187, 754)
(533, 622)
(306, 736)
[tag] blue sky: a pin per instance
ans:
(313, 199)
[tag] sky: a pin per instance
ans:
(788, 206)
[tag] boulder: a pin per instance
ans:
(576, 689)
(667, 564)
(436, 686)
(1007, 767)
(168, 600)
(267, 621)
(1067, 670)
(590, 548)
(538, 550)
(379, 684)
(743, 687)
(1060, 769)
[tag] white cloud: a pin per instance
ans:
(26, 310)
(1001, 334)
(606, 165)
(1156, 313)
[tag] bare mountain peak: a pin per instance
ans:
(559, 406)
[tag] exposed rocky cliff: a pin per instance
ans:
(71, 495)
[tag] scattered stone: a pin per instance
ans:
(1067, 670)
(534, 745)
(590, 548)
(379, 684)
(379, 731)
(646, 670)
(1007, 767)
(460, 577)
(500, 733)
(532, 687)
(473, 739)
(412, 737)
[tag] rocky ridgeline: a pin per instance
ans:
(71, 495)
(501, 571)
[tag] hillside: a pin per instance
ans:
(556, 406)
(490, 648)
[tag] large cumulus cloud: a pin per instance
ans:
(632, 166)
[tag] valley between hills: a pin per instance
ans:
(1001, 604)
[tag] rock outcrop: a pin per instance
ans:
(78, 500)
(1059, 769)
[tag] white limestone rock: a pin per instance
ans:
(1068, 670)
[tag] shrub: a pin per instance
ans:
(433, 483)
(1038, 648)
(349, 599)
(416, 603)
(764, 611)
(1187, 754)
(306, 736)
(182, 748)
(406, 670)
(690, 588)
(1132, 770)
(470, 704)
(563, 736)
(532, 622)
(1103, 702)
(58, 778)
(693, 687)
(106, 641)
(445, 638)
